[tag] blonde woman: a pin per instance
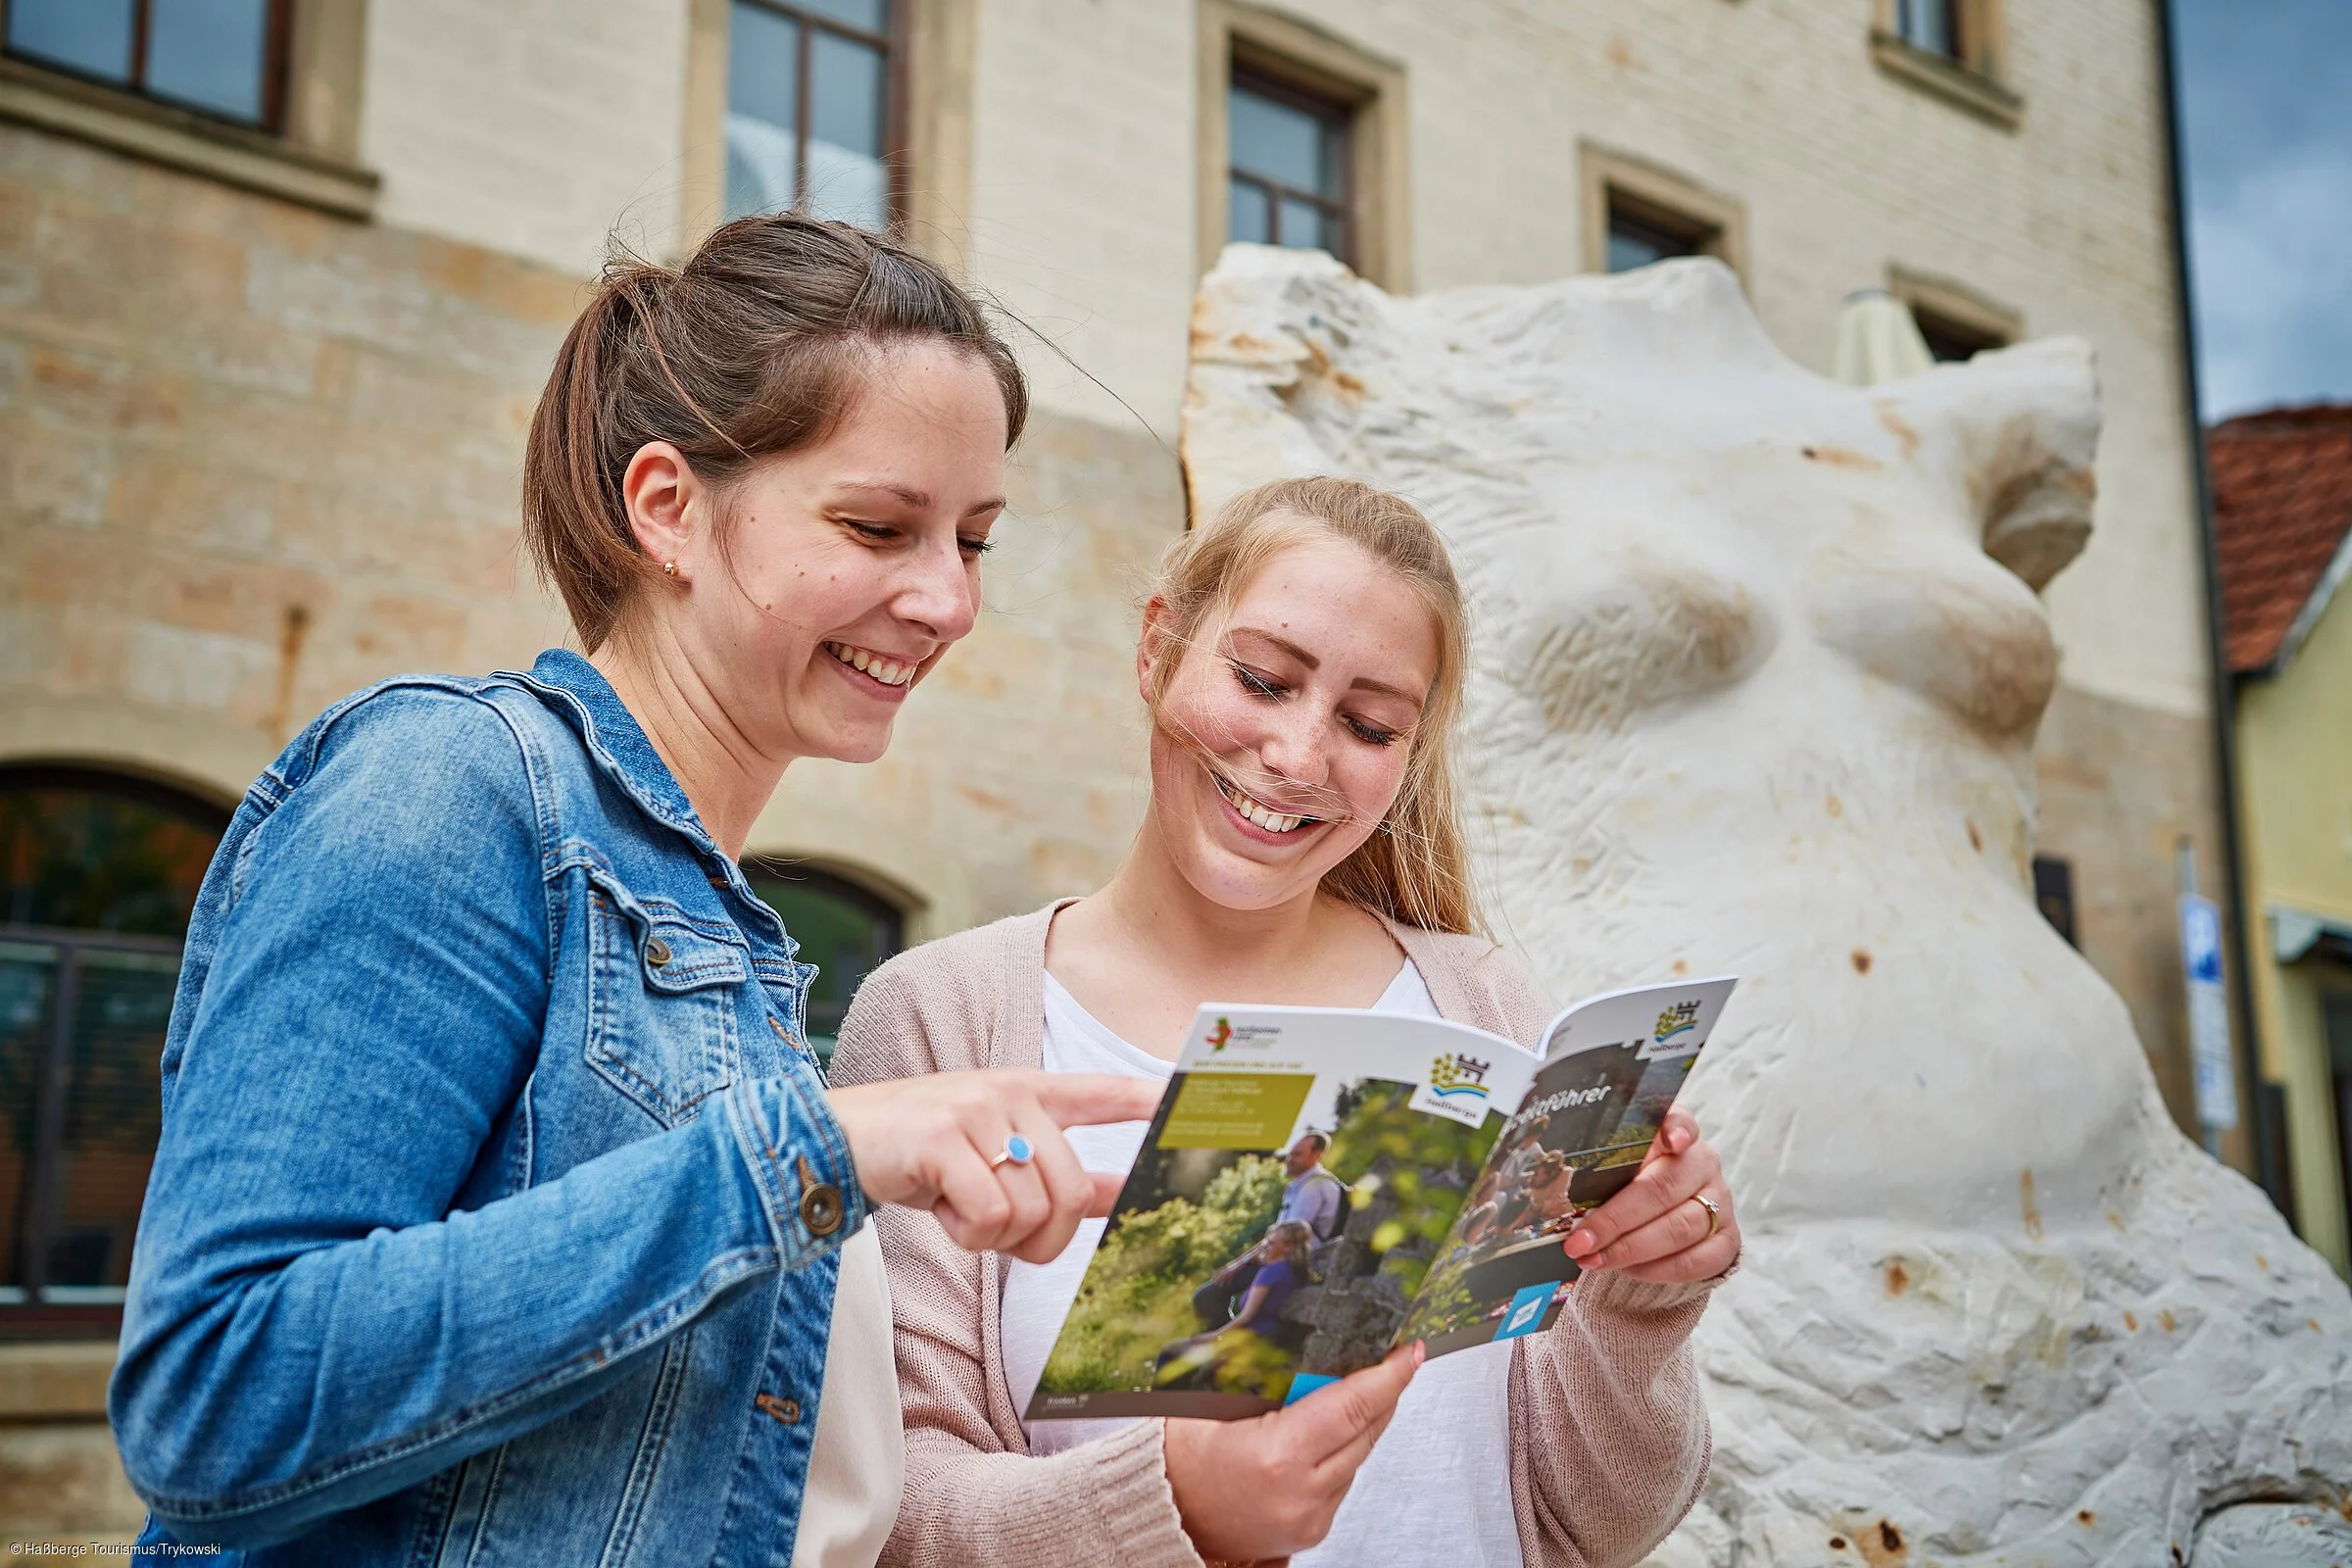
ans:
(1302, 659)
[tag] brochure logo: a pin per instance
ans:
(1525, 1315)
(1459, 1078)
(1679, 1018)
(1249, 1034)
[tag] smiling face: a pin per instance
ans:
(850, 565)
(1283, 734)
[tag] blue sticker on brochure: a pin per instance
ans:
(1525, 1315)
(1303, 1384)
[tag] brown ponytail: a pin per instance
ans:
(751, 347)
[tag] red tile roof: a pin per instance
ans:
(2282, 506)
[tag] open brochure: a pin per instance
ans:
(1321, 1185)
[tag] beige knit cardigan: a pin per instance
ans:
(1609, 1437)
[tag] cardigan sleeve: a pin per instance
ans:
(975, 1497)
(1610, 1439)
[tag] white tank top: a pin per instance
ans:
(1449, 1449)
(857, 1466)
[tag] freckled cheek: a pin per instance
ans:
(1369, 785)
(1219, 723)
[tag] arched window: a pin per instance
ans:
(843, 929)
(98, 876)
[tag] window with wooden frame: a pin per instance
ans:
(1637, 213)
(261, 94)
(812, 115)
(1957, 322)
(1287, 167)
(1954, 49)
(1639, 234)
(1930, 25)
(223, 58)
(98, 876)
(1300, 142)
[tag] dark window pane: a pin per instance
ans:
(210, 53)
(1283, 143)
(2054, 892)
(1948, 343)
(102, 863)
(1305, 225)
(1248, 214)
(1631, 249)
(1634, 243)
(28, 989)
(763, 65)
(90, 35)
(847, 178)
(762, 76)
(2336, 1018)
(842, 928)
(123, 1002)
(871, 15)
(1929, 24)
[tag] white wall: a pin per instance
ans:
(529, 126)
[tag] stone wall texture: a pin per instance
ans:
(253, 457)
(256, 457)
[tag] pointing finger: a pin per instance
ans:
(1106, 1193)
(1093, 1098)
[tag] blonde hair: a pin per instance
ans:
(1414, 868)
(1297, 1236)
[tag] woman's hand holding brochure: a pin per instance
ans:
(1250, 1491)
(1673, 1223)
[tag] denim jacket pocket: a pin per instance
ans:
(662, 1002)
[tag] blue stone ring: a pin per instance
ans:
(1018, 1150)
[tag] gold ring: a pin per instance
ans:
(1714, 1214)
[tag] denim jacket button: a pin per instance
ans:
(821, 1209)
(785, 1410)
(657, 952)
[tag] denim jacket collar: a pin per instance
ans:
(615, 740)
(619, 745)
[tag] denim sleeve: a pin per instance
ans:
(309, 1327)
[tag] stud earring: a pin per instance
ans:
(670, 569)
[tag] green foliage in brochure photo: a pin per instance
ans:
(1139, 1289)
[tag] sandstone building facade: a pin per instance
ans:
(271, 325)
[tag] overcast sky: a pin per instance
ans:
(2266, 107)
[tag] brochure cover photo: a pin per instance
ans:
(1320, 1185)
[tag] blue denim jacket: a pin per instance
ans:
(496, 1212)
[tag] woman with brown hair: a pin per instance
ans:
(500, 1213)
(1303, 660)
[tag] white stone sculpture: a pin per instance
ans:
(1759, 666)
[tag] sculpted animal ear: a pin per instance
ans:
(1253, 347)
(2020, 426)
